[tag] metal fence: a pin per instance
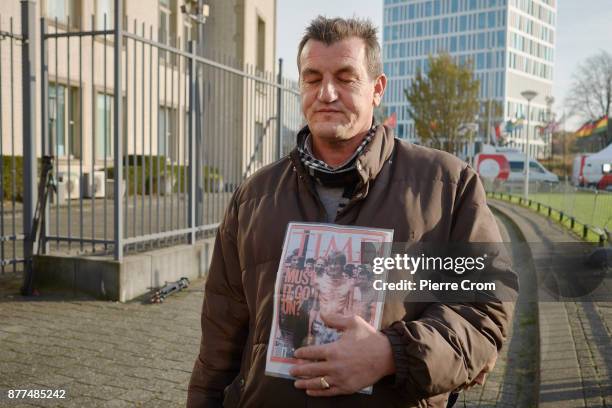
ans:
(11, 150)
(157, 165)
(587, 212)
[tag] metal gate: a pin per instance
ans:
(149, 139)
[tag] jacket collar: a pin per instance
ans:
(369, 163)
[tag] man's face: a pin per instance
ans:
(295, 261)
(336, 269)
(338, 94)
(319, 266)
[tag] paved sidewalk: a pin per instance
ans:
(107, 354)
(104, 354)
(512, 382)
(575, 337)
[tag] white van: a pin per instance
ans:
(515, 164)
(578, 169)
(597, 169)
(537, 172)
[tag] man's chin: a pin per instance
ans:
(328, 131)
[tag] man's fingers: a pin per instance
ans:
(320, 352)
(480, 378)
(309, 370)
(337, 320)
(313, 383)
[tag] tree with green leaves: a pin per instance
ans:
(442, 100)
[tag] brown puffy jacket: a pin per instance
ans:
(423, 195)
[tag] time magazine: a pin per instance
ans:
(324, 268)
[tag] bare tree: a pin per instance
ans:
(590, 96)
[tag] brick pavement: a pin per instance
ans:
(575, 337)
(109, 354)
(512, 382)
(104, 354)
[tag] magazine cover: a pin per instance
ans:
(322, 269)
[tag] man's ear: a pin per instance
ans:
(379, 89)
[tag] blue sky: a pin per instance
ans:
(583, 28)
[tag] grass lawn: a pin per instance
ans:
(586, 207)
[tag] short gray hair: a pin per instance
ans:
(332, 30)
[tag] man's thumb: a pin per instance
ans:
(337, 320)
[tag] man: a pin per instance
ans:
(334, 294)
(346, 171)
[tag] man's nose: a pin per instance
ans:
(328, 92)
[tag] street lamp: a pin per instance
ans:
(529, 95)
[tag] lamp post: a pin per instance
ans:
(550, 119)
(529, 95)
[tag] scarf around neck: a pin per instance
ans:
(345, 175)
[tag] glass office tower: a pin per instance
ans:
(510, 43)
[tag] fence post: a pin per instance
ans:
(117, 131)
(192, 145)
(279, 113)
(28, 87)
(44, 122)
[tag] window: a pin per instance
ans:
(491, 19)
(105, 13)
(261, 44)
(535, 167)
(482, 19)
(437, 7)
(64, 125)
(167, 28)
(62, 11)
(166, 132)
(104, 126)
(516, 166)
(463, 23)
(480, 61)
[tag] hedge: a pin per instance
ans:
(8, 177)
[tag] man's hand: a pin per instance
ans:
(482, 376)
(360, 358)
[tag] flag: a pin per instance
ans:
(497, 132)
(519, 123)
(585, 130)
(601, 125)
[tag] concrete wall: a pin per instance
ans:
(135, 276)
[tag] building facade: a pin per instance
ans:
(240, 34)
(510, 43)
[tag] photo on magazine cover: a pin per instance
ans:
(324, 269)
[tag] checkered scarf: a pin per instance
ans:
(345, 175)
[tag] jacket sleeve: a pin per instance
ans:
(224, 320)
(449, 344)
